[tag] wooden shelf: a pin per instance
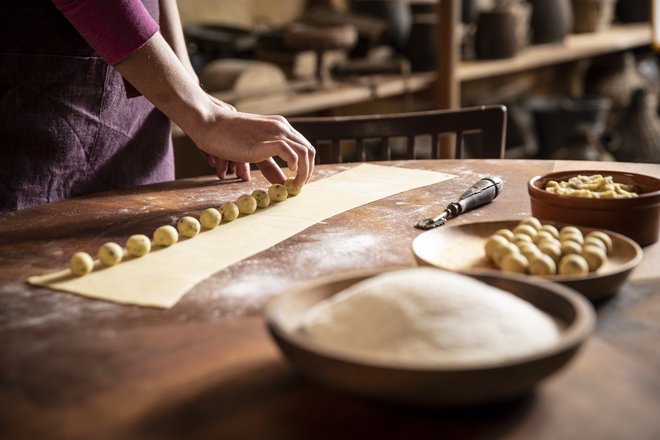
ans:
(338, 94)
(575, 47)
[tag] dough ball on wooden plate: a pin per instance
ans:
(532, 221)
(542, 236)
(246, 204)
(493, 243)
(188, 226)
(138, 245)
(593, 241)
(570, 247)
(542, 265)
(277, 193)
(506, 233)
(525, 229)
(503, 251)
(569, 230)
(551, 249)
(166, 236)
(229, 211)
(210, 218)
(602, 236)
(81, 263)
(291, 188)
(515, 262)
(573, 264)
(595, 256)
(550, 229)
(110, 254)
(262, 198)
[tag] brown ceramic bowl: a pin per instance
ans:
(438, 386)
(637, 218)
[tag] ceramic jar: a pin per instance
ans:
(552, 20)
(396, 13)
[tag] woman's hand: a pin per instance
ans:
(235, 139)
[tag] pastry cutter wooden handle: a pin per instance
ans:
(482, 192)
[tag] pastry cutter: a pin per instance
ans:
(482, 192)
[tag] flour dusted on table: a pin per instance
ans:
(427, 317)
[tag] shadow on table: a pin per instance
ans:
(272, 402)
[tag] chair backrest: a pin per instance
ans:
(489, 121)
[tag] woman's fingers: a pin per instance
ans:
(271, 171)
(242, 171)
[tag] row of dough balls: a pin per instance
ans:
(538, 249)
(138, 245)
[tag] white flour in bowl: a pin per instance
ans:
(427, 317)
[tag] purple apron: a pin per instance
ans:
(66, 125)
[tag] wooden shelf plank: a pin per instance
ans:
(575, 47)
(339, 94)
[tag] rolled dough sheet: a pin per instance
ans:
(162, 277)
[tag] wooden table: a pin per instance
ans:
(72, 367)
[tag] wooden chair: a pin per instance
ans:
(489, 121)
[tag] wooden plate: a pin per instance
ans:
(446, 386)
(461, 249)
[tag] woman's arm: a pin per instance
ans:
(157, 73)
(171, 30)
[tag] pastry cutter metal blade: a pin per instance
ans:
(482, 192)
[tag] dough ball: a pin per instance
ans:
(593, 241)
(165, 236)
(542, 265)
(188, 226)
(262, 198)
(501, 252)
(528, 250)
(532, 221)
(578, 238)
(515, 262)
(573, 264)
(595, 257)
(277, 193)
(521, 238)
(506, 233)
(291, 189)
(138, 245)
(525, 229)
(552, 230)
(493, 243)
(553, 250)
(210, 218)
(81, 263)
(542, 236)
(569, 230)
(570, 247)
(246, 204)
(110, 254)
(229, 211)
(602, 236)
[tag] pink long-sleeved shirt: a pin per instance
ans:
(114, 29)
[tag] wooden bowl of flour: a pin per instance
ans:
(443, 385)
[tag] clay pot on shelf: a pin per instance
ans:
(469, 11)
(558, 120)
(496, 35)
(552, 20)
(638, 136)
(422, 47)
(396, 13)
(592, 15)
(633, 11)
